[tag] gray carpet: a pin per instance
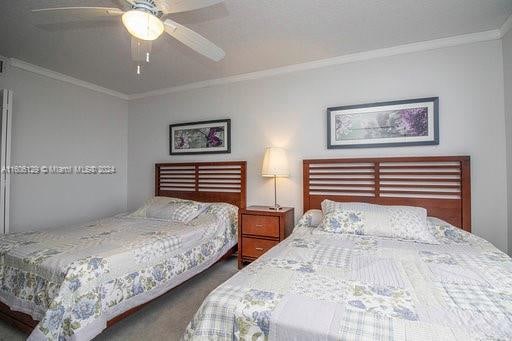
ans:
(164, 319)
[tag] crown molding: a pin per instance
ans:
(344, 59)
(507, 25)
(13, 62)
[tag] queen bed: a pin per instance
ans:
(72, 283)
(439, 283)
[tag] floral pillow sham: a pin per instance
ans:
(344, 222)
(446, 232)
(402, 222)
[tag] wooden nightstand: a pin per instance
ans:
(260, 228)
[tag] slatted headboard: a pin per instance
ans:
(203, 181)
(441, 184)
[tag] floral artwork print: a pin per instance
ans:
(384, 124)
(201, 137)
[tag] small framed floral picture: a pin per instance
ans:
(206, 137)
(387, 124)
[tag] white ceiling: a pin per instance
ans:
(256, 35)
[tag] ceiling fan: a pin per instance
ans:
(146, 20)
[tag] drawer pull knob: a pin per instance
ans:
(259, 248)
(259, 225)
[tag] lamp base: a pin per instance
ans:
(275, 208)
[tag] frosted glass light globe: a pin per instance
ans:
(143, 25)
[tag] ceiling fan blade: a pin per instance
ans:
(79, 12)
(194, 40)
(125, 4)
(176, 6)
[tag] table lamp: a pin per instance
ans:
(275, 164)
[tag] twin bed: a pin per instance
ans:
(315, 285)
(74, 282)
(321, 285)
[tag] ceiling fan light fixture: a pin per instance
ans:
(142, 24)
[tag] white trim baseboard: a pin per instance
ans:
(349, 58)
(344, 59)
(507, 25)
(64, 78)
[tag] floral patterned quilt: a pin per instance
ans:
(317, 285)
(74, 280)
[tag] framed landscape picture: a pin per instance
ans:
(387, 124)
(206, 137)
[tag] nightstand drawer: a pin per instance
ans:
(261, 228)
(259, 225)
(253, 247)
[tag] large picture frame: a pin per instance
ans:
(204, 137)
(411, 122)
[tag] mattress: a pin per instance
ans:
(323, 286)
(73, 280)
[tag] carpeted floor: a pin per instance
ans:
(164, 319)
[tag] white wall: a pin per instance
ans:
(507, 72)
(289, 111)
(56, 123)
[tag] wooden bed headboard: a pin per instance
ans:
(203, 181)
(441, 184)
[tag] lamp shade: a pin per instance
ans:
(275, 163)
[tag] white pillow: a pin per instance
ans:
(311, 218)
(403, 222)
(181, 211)
(154, 201)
